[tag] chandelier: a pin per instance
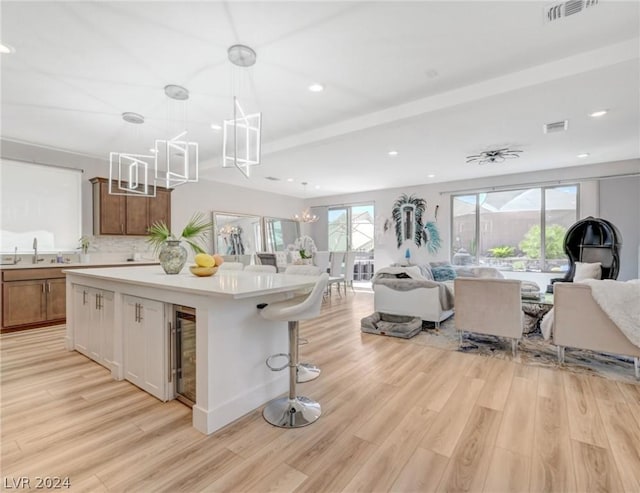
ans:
(132, 174)
(241, 134)
(494, 156)
(305, 216)
(173, 161)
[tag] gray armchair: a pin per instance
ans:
(489, 306)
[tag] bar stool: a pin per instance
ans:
(306, 371)
(294, 411)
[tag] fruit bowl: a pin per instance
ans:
(196, 270)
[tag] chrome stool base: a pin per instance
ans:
(307, 372)
(291, 413)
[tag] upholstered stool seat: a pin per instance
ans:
(294, 411)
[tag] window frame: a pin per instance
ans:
(543, 213)
(349, 221)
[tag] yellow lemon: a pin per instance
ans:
(205, 260)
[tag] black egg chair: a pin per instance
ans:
(593, 240)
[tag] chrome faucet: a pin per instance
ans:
(35, 250)
(15, 256)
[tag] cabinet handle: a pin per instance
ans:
(48, 286)
(170, 365)
(43, 288)
(140, 317)
(96, 303)
(84, 297)
(136, 313)
(122, 228)
(99, 299)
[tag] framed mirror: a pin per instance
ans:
(236, 234)
(280, 232)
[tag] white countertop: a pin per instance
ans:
(232, 284)
(71, 265)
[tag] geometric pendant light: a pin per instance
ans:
(177, 158)
(242, 133)
(132, 174)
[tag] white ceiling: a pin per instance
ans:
(436, 81)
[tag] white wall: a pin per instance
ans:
(208, 196)
(386, 250)
(620, 204)
(205, 196)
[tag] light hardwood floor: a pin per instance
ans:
(396, 417)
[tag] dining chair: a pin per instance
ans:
(321, 260)
(231, 266)
(336, 274)
(260, 268)
(349, 262)
(267, 259)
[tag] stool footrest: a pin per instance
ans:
(278, 355)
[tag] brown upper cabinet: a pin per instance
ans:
(126, 215)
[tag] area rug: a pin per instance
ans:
(533, 349)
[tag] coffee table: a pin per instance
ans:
(534, 310)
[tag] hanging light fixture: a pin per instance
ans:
(132, 174)
(305, 216)
(241, 134)
(177, 158)
(493, 156)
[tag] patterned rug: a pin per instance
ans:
(532, 350)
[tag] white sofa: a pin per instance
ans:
(432, 301)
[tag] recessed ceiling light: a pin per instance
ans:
(289, 180)
(392, 153)
(584, 154)
(598, 113)
(215, 126)
(316, 87)
(431, 176)
(6, 49)
(317, 187)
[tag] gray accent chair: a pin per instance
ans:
(489, 306)
(579, 322)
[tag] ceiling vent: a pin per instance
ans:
(561, 126)
(559, 10)
(272, 178)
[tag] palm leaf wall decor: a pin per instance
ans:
(418, 206)
(433, 241)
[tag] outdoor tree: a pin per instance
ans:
(531, 243)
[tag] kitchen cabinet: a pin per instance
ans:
(146, 334)
(93, 311)
(33, 297)
(127, 215)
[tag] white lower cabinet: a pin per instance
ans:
(145, 345)
(93, 322)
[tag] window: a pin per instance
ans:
(514, 229)
(351, 228)
(42, 202)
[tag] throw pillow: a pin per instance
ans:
(443, 272)
(425, 270)
(587, 271)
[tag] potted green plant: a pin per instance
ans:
(172, 254)
(85, 243)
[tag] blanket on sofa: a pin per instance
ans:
(619, 300)
(408, 278)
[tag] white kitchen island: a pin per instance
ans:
(232, 339)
